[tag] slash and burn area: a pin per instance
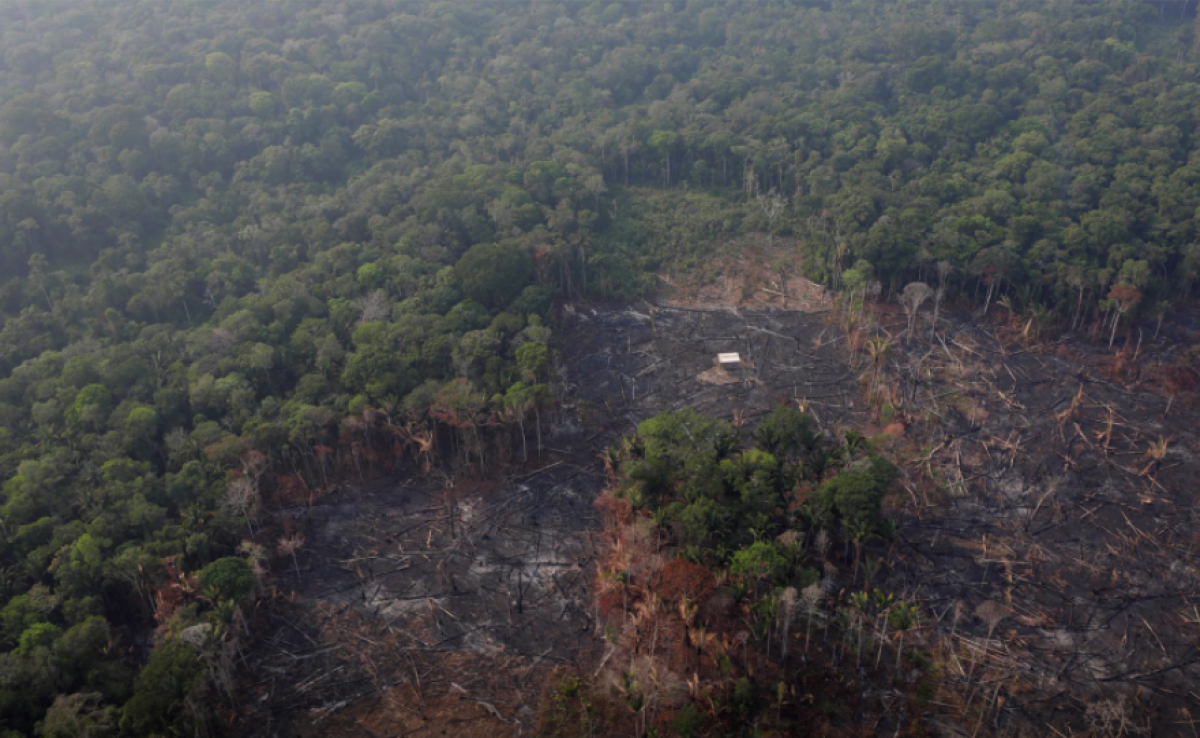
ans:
(1052, 530)
(408, 584)
(420, 605)
(1047, 534)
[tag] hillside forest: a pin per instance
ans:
(249, 250)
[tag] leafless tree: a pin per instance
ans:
(943, 271)
(915, 294)
(822, 542)
(254, 465)
(241, 498)
(771, 206)
(877, 349)
(216, 653)
(811, 598)
(654, 684)
(221, 342)
(258, 561)
(788, 602)
(1076, 279)
(873, 291)
(374, 306)
(289, 546)
(179, 442)
(956, 611)
(1124, 298)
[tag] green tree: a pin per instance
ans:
(91, 407)
(786, 432)
(228, 578)
(494, 274)
(664, 142)
(38, 635)
(164, 691)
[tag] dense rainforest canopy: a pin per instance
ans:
(233, 236)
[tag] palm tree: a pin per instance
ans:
(811, 597)
(859, 601)
(288, 547)
(788, 599)
(883, 603)
(859, 529)
(1006, 302)
(903, 617)
(877, 349)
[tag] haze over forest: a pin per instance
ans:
(260, 259)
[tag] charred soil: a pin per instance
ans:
(1034, 480)
(1053, 530)
(422, 604)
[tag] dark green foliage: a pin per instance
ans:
(688, 722)
(761, 560)
(39, 635)
(162, 690)
(851, 497)
(786, 432)
(676, 439)
(494, 274)
(733, 507)
(851, 503)
(228, 578)
(533, 300)
(745, 696)
(883, 470)
(26, 610)
(533, 358)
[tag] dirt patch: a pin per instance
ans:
(752, 274)
(627, 365)
(719, 375)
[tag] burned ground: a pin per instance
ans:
(629, 364)
(423, 606)
(1069, 500)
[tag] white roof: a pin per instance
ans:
(731, 358)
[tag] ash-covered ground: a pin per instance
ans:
(1054, 562)
(426, 605)
(1055, 490)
